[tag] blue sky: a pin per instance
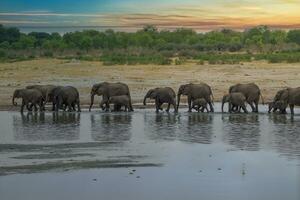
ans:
(197, 14)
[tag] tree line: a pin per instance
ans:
(148, 44)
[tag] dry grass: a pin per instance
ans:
(83, 74)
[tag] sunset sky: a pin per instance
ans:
(201, 15)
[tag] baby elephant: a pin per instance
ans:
(119, 101)
(200, 104)
(236, 101)
(277, 105)
(30, 98)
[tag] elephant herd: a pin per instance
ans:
(199, 97)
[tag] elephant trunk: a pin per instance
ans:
(178, 100)
(92, 101)
(223, 102)
(13, 100)
(144, 102)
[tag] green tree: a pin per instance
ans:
(294, 36)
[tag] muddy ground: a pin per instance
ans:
(140, 78)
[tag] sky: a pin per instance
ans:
(201, 15)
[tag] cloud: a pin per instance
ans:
(22, 22)
(37, 14)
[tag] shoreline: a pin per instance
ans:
(140, 78)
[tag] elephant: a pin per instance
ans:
(116, 106)
(200, 104)
(162, 95)
(277, 105)
(107, 90)
(44, 89)
(119, 101)
(195, 91)
(67, 96)
(50, 95)
(30, 98)
(276, 98)
(251, 91)
(290, 96)
(236, 101)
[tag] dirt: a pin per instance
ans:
(140, 78)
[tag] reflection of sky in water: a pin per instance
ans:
(277, 133)
(258, 155)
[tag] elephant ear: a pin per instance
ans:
(185, 88)
(152, 93)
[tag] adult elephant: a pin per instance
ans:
(236, 101)
(251, 91)
(30, 97)
(44, 89)
(196, 91)
(51, 92)
(162, 95)
(291, 96)
(67, 96)
(107, 90)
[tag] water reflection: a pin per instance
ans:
(198, 128)
(192, 127)
(111, 127)
(46, 127)
(286, 135)
(161, 126)
(242, 131)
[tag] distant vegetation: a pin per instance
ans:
(150, 46)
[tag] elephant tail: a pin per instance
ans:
(212, 98)
(262, 99)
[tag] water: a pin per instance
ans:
(143, 155)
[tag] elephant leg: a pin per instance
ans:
(239, 109)
(53, 106)
(35, 107)
(206, 109)
(202, 109)
(256, 106)
(78, 106)
(130, 103)
(230, 107)
(174, 105)
(73, 107)
(168, 108)
(211, 107)
(157, 105)
(41, 106)
(244, 108)
(22, 106)
(107, 105)
(292, 108)
(190, 104)
(251, 105)
(70, 107)
(29, 107)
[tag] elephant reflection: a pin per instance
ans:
(46, 126)
(161, 126)
(242, 131)
(286, 135)
(198, 128)
(111, 127)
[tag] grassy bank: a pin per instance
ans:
(83, 74)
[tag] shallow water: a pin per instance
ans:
(143, 155)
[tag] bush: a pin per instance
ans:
(2, 53)
(48, 54)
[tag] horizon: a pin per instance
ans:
(132, 15)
